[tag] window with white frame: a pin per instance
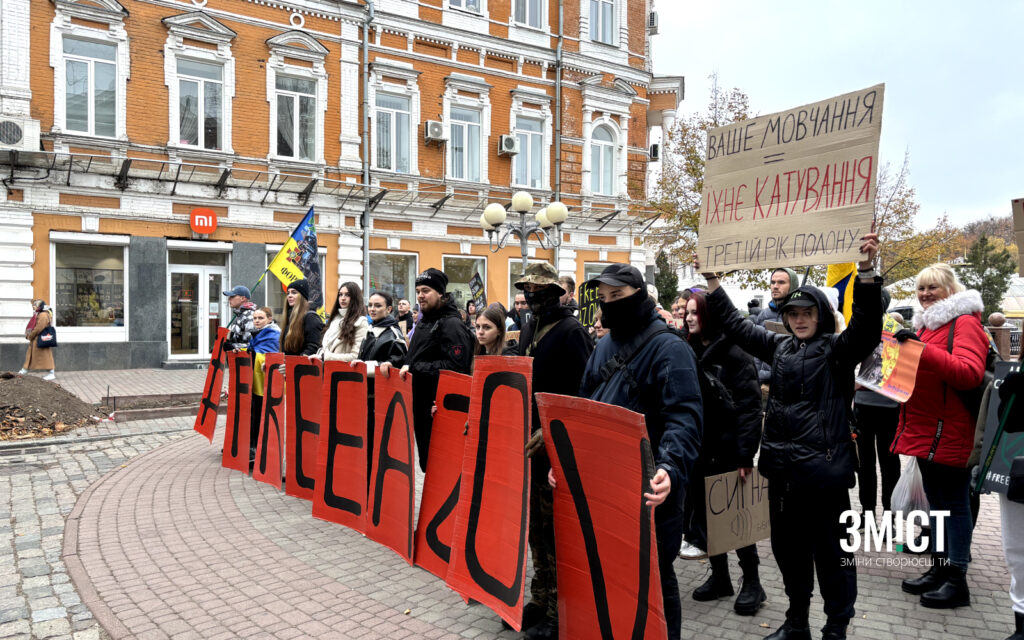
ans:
(200, 104)
(394, 273)
(460, 271)
(296, 117)
(602, 161)
(602, 21)
(529, 12)
(465, 144)
(393, 138)
(90, 89)
(468, 5)
(528, 164)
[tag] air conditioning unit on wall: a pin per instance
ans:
(433, 131)
(652, 23)
(21, 134)
(508, 146)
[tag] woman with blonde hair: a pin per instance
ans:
(302, 327)
(38, 357)
(936, 425)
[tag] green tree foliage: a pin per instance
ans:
(988, 270)
(666, 280)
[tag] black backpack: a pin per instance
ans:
(972, 397)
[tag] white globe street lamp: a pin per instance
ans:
(546, 225)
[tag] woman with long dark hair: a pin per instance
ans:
(490, 333)
(347, 325)
(302, 327)
(384, 341)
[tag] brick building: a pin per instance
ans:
(399, 121)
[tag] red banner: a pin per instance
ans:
(206, 420)
(339, 494)
(608, 581)
(392, 500)
(236, 431)
(489, 544)
(303, 428)
(268, 451)
(444, 468)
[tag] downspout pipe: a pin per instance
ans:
(558, 117)
(366, 143)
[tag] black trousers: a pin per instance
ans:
(254, 423)
(876, 428)
(668, 531)
(806, 533)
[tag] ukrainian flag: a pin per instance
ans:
(841, 277)
(299, 259)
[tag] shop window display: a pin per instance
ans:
(89, 285)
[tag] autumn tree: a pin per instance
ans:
(988, 270)
(666, 280)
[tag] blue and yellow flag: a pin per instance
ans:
(298, 259)
(841, 277)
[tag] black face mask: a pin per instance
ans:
(627, 314)
(543, 299)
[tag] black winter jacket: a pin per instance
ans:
(312, 330)
(730, 441)
(771, 312)
(807, 435)
(389, 346)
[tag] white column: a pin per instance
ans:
(15, 90)
(585, 183)
(16, 259)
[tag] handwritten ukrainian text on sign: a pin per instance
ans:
(792, 188)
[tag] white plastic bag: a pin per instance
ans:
(908, 495)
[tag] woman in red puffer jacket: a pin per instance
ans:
(938, 430)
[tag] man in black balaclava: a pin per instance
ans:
(655, 373)
(559, 346)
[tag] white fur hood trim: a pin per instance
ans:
(940, 313)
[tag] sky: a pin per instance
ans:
(953, 74)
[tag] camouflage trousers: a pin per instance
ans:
(544, 587)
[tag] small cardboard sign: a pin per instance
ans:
(776, 327)
(586, 297)
(737, 510)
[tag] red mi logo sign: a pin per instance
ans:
(203, 221)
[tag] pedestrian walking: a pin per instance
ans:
(241, 327)
(39, 357)
(302, 327)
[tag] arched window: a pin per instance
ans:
(602, 161)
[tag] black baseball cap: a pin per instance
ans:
(798, 298)
(619, 275)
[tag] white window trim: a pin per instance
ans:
(198, 245)
(75, 335)
(482, 13)
(461, 82)
(115, 35)
(301, 46)
(394, 69)
(393, 142)
(179, 28)
(416, 270)
(543, 27)
(615, 146)
(520, 96)
(620, 35)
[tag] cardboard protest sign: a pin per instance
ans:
(795, 187)
(608, 580)
(441, 483)
(476, 289)
(488, 560)
(268, 450)
(302, 409)
(339, 493)
(891, 369)
(775, 326)
(206, 420)
(512, 335)
(1017, 207)
(586, 297)
(737, 510)
(236, 430)
(392, 499)
(1009, 446)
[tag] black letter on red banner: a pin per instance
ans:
(302, 425)
(337, 439)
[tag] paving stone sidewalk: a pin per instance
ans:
(92, 386)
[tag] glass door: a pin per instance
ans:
(198, 308)
(184, 299)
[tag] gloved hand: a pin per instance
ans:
(905, 334)
(1012, 385)
(535, 444)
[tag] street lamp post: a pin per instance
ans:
(546, 225)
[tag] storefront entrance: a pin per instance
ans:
(196, 281)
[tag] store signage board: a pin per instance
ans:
(202, 221)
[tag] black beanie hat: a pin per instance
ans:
(433, 278)
(302, 286)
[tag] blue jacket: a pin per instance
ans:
(266, 340)
(667, 394)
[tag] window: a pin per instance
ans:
(394, 273)
(90, 76)
(460, 270)
(393, 133)
(200, 100)
(465, 144)
(528, 164)
(468, 5)
(528, 12)
(602, 21)
(602, 161)
(296, 117)
(592, 269)
(89, 285)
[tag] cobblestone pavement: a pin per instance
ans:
(91, 386)
(169, 544)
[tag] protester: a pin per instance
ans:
(644, 367)
(807, 450)
(346, 326)
(876, 418)
(441, 342)
(568, 284)
(37, 357)
(265, 339)
(490, 333)
(782, 281)
(241, 326)
(405, 315)
(729, 446)
(753, 308)
(519, 307)
(679, 309)
(1012, 510)
(302, 327)
(937, 428)
(559, 346)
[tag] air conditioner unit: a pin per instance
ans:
(21, 134)
(655, 153)
(508, 146)
(652, 23)
(433, 131)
